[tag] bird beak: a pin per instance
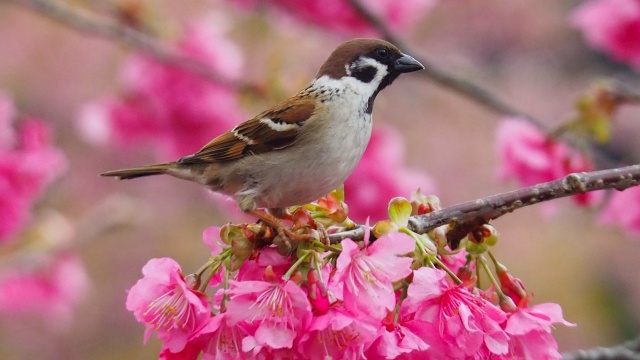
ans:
(407, 64)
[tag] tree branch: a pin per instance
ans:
(627, 351)
(466, 216)
(90, 23)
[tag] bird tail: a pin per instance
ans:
(132, 173)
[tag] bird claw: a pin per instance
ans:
(287, 235)
(324, 236)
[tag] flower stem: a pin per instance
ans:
(225, 295)
(444, 267)
(214, 263)
(295, 266)
(214, 269)
(325, 247)
(425, 253)
(204, 268)
(477, 272)
(493, 259)
(495, 283)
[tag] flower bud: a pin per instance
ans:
(475, 248)
(489, 234)
(427, 243)
(512, 286)
(400, 211)
(507, 304)
(423, 204)
(241, 238)
(439, 234)
(384, 227)
(465, 273)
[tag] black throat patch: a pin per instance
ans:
(369, 109)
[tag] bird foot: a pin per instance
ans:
(286, 234)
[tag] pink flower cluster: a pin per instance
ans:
(531, 157)
(49, 292)
(612, 26)
(351, 309)
(382, 175)
(28, 164)
(340, 15)
(174, 111)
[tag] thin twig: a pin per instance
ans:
(92, 24)
(466, 216)
(357, 233)
(470, 89)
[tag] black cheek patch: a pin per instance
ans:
(364, 74)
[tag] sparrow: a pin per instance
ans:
(302, 148)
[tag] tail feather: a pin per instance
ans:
(132, 173)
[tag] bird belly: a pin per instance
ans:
(300, 174)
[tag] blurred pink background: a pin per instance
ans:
(526, 52)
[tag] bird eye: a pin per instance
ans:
(383, 53)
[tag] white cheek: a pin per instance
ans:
(351, 84)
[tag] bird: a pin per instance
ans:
(303, 147)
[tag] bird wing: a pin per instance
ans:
(274, 129)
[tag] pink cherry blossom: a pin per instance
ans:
(530, 331)
(623, 208)
(254, 269)
(225, 341)
(174, 111)
(50, 291)
(466, 323)
(337, 334)
(381, 175)
(274, 315)
(28, 164)
(339, 14)
(404, 337)
(531, 157)
(367, 274)
(164, 302)
(216, 340)
(612, 26)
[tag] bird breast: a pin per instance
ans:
(326, 152)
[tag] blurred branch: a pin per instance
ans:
(53, 234)
(627, 351)
(476, 92)
(465, 217)
(460, 85)
(624, 93)
(93, 24)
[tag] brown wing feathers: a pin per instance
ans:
(274, 129)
